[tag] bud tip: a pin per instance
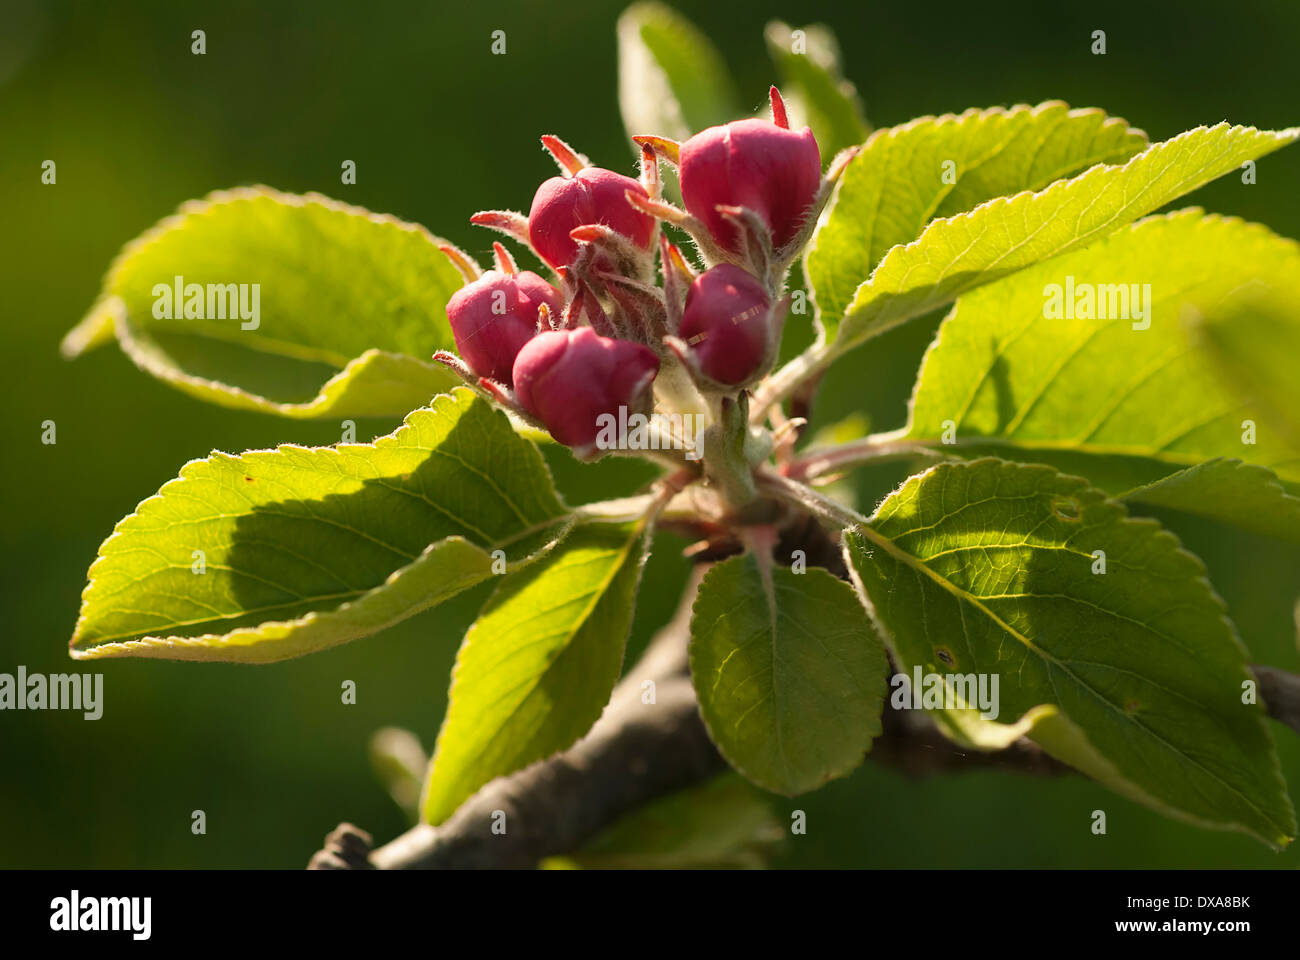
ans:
(778, 109)
(504, 261)
(568, 159)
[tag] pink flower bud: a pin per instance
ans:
(725, 324)
(751, 163)
(591, 196)
(568, 378)
(493, 317)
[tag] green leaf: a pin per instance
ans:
(1007, 234)
(276, 553)
(1001, 374)
(907, 176)
(789, 673)
(398, 761)
(723, 824)
(672, 82)
(1229, 491)
(813, 84)
(350, 306)
(1253, 341)
(375, 384)
(537, 668)
(989, 568)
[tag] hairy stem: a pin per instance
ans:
(785, 382)
(877, 448)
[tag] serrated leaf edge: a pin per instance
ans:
(1204, 221)
(1201, 577)
(741, 768)
(642, 533)
(130, 647)
(1282, 138)
(967, 115)
(83, 336)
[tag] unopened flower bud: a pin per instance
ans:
(751, 163)
(590, 196)
(568, 378)
(726, 324)
(493, 317)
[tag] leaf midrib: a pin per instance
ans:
(867, 295)
(597, 594)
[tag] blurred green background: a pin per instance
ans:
(440, 128)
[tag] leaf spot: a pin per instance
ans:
(1067, 508)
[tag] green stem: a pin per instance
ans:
(726, 448)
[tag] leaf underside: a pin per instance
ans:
(350, 306)
(1242, 495)
(672, 82)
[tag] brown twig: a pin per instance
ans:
(1280, 692)
(638, 752)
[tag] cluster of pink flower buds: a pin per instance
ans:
(567, 378)
(726, 324)
(494, 316)
(592, 196)
(563, 355)
(751, 164)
